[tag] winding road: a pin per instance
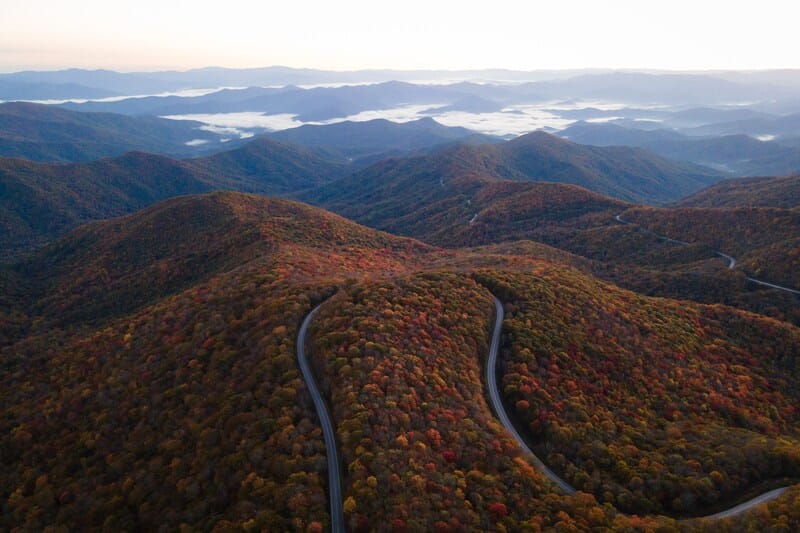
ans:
(731, 260)
(749, 504)
(497, 404)
(334, 477)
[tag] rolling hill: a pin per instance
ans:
(375, 139)
(735, 154)
(399, 186)
(47, 133)
(155, 383)
(418, 197)
(41, 201)
(783, 192)
(764, 240)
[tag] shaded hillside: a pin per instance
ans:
(411, 197)
(652, 405)
(781, 192)
(272, 167)
(625, 173)
(41, 201)
(155, 384)
(110, 267)
(776, 127)
(48, 133)
(764, 241)
(372, 139)
(735, 154)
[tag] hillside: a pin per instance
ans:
(625, 173)
(174, 244)
(155, 382)
(272, 167)
(764, 241)
(189, 410)
(646, 403)
(48, 133)
(782, 192)
(734, 154)
(41, 201)
(374, 138)
(413, 197)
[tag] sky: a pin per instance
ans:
(413, 34)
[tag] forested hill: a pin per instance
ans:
(150, 381)
(624, 173)
(44, 200)
(51, 134)
(781, 191)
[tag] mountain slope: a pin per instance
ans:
(624, 173)
(41, 201)
(156, 383)
(417, 197)
(375, 137)
(754, 192)
(173, 244)
(764, 240)
(273, 167)
(737, 154)
(184, 405)
(48, 133)
(632, 397)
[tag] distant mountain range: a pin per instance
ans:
(306, 104)
(51, 134)
(627, 85)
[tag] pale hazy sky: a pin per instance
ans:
(410, 34)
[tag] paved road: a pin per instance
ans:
(749, 504)
(731, 260)
(494, 394)
(334, 478)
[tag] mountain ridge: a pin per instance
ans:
(45, 199)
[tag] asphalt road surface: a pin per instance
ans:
(334, 477)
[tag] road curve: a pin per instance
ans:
(497, 404)
(334, 477)
(749, 504)
(731, 260)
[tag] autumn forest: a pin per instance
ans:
(376, 326)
